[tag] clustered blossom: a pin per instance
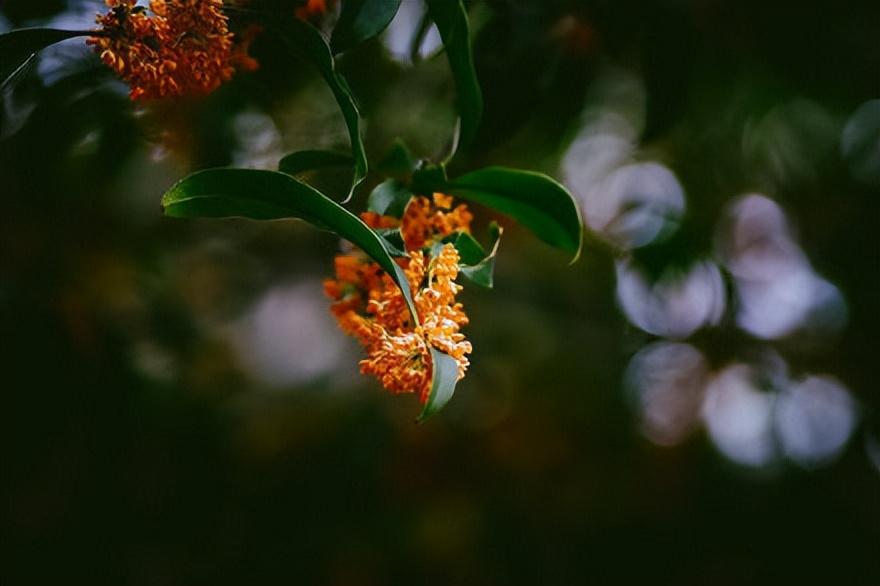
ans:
(312, 10)
(177, 47)
(369, 306)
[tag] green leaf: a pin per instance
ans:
(451, 19)
(429, 178)
(307, 40)
(476, 265)
(360, 21)
(397, 161)
(532, 199)
(444, 376)
(310, 160)
(393, 241)
(17, 47)
(389, 198)
(269, 195)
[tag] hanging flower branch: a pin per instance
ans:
(369, 306)
(396, 285)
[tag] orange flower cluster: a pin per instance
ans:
(369, 306)
(312, 10)
(178, 47)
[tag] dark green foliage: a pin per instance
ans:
(360, 21)
(19, 46)
(452, 22)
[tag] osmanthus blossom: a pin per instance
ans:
(173, 48)
(313, 9)
(368, 304)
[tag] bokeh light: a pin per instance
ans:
(778, 291)
(676, 304)
(287, 338)
(815, 418)
(739, 417)
(666, 381)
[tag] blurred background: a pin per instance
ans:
(693, 402)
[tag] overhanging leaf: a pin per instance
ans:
(16, 47)
(532, 199)
(389, 198)
(360, 21)
(451, 19)
(444, 377)
(310, 160)
(269, 195)
(307, 40)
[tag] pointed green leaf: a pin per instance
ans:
(451, 19)
(476, 265)
(389, 198)
(360, 21)
(310, 160)
(307, 40)
(444, 376)
(17, 47)
(532, 199)
(470, 252)
(269, 195)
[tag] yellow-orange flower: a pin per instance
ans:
(425, 220)
(177, 47)
(369, 306)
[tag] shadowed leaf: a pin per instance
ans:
(389, 198)
(444, 377)
(311, 160)
(532, 199)
(451, 19)
(306, 39)
(360, 21)
(476, 265)
(16, 47)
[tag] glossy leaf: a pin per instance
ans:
(444, 378)
(390, 198)
(451, 19)
(311, 160)
(17, 47)
(360, 21)
(532, 199)
(269, 195)
(307, 40)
